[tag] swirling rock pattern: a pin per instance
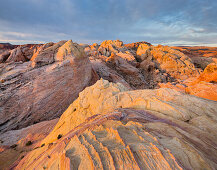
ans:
(109, 127)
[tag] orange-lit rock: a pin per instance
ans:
(110, 127)
(13, 143)
(201, 56)
(94, 46)
(46, 54)
(142, 51)
(206, 84)
(143, 115)
(203, 89)
(20, 53)
(69, 49)
(209, 74)
(172, 61)
(134, 46)
(109, 46)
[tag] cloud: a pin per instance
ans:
(85, 21)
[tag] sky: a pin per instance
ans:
(168, 22)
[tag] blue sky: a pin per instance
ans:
(171, 22)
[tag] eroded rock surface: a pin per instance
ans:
(14, 143)
(127, 121)
(31, 93)
(172, 61)
(110, 127)
(204, 85)
(6, 46)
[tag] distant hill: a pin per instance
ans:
(7, 46)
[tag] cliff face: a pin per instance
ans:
(142, 114)
(110, 127)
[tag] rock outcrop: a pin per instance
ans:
(134, 46)
(70, 49)
(110, 127)
(142, 114)
(200, 56)
(115, 62)
(21, 53)
(16, 56)
(204, 86)
(46, 54)
(6, 47)
(109, 46)
(14, 144)
(30, 95)
(4, 56)
(209, 74)
(170, 60)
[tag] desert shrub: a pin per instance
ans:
(13, 146)
(29, 143)
(59, 136)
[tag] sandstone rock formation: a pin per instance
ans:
(115, 62)
(6, 46)
(30, 95)
(143, 115)
(4, 56)
(109, 46)
(13, 143)
(70, 49)
(142, 52)
(204, 86)
(172, 61)
(110, 127)
(21, 53)
(154, 66)
(209, 74)
(134, 46)
(16, 56)
(45, 54)
(201, 56)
